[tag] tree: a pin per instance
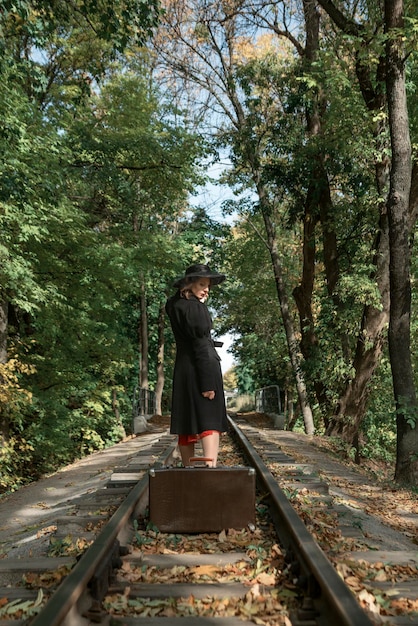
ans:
(40, 67)
(230, 380)
(92, 182)
(391, 68)
(399, 234)
(215, 44)
(324, 73)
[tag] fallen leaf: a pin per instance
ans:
(266, 579)
(205, 570)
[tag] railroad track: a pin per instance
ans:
(130, 574)
(378, 576)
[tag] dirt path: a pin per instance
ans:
(388, 516)
(382, 510)
(26, 515)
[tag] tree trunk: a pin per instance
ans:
(4, 332)
(290, 414)
(115, 407)
(351, 407)
(143, 340)
(143, 352)
(400, 285)
(317, 208)
(319, 203)
(413, 199)
(160, 362)
(352, 404)
(303, 292)
(292, 343)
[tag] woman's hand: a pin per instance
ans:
(208, 394)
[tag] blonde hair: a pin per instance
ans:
(185, 291)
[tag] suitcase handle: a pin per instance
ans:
(200, 459)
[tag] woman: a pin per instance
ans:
(198, 403)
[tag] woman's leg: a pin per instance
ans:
(186, 451)
(210, 445)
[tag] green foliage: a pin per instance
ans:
(242, 403)
(230, 380)
(117, 22)
(96, 171)
(380, 439)
(16, 457)
(408, 411)
(251, 310)
(303, 129)
(18, 608)
(91, 189)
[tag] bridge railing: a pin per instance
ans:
(267, 400)
(143, 407)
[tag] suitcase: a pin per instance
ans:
(201, 499)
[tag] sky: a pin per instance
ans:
(227, 360)
(210, 197)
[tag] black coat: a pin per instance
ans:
(197, 369)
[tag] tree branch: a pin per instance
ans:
(133, 168)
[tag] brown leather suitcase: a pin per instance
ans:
(201, 499)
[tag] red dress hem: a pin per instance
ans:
(184, 440)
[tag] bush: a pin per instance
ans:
(242, 403)
(15, 457)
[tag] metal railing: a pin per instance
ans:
(267, 400)
(144, 402)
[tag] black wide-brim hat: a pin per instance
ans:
(200, 271)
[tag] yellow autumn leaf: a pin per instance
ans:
(381, 576)
(344, 569)
(126, 566)
(266, 579)
(353, 582)
(369, 600)
(254, 592)
(205, 570)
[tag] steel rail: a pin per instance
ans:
(73, 586)
(294, 534)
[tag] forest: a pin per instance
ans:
(113, 118)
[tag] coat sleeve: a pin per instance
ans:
(197, 325)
